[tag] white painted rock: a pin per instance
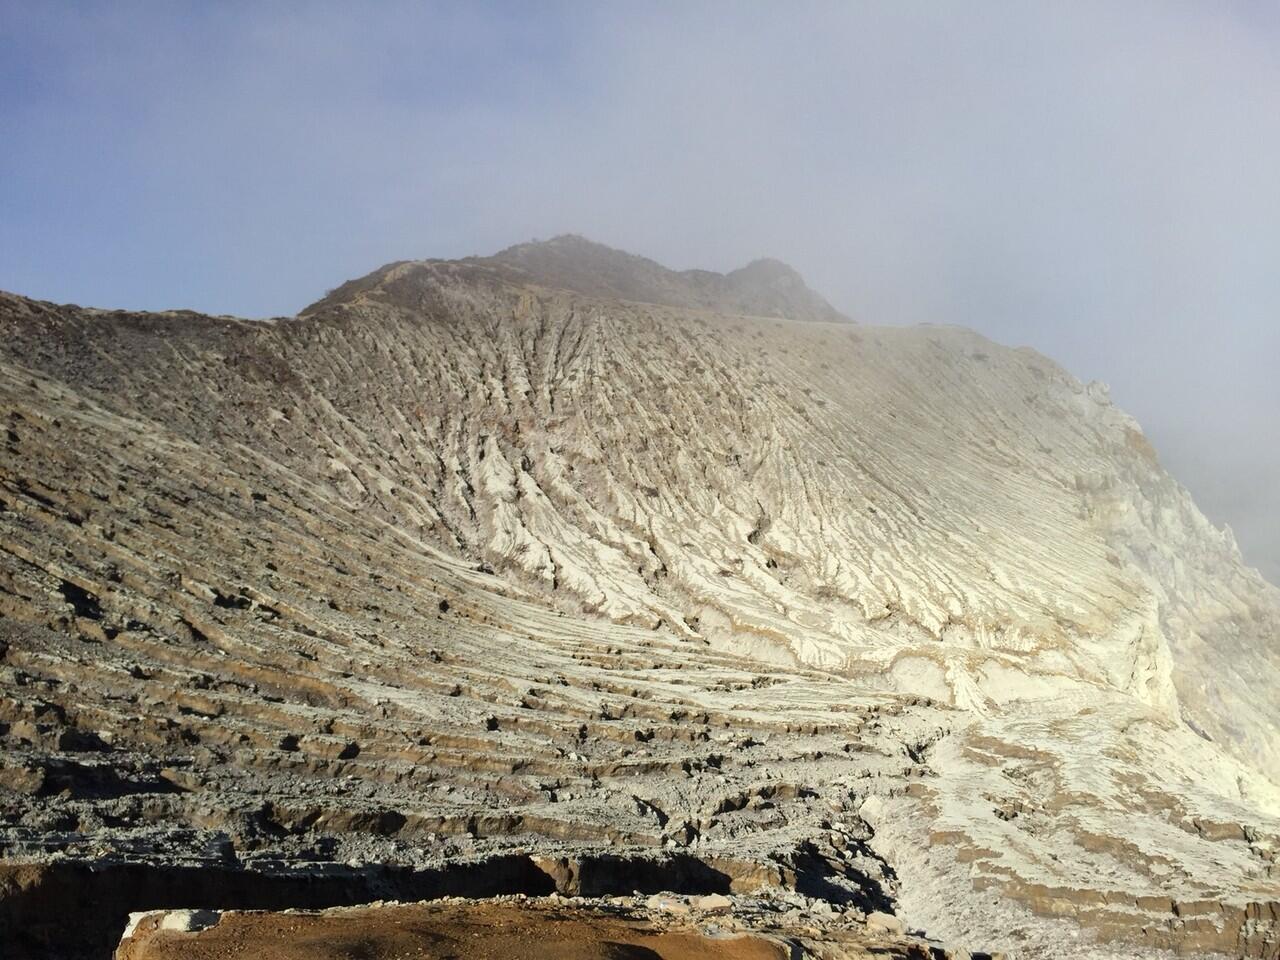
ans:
(188, 921)
(134, 919)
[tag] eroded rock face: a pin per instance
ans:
(562, 558)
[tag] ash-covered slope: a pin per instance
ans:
(558, 553)
(851, 486)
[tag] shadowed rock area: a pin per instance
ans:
(558, 571)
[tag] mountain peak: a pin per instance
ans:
(764, 287)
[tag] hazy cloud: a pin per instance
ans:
(1095, 180)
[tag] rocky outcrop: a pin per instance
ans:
(559, 555)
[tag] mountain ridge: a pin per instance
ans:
(764, 287)
(571, 576)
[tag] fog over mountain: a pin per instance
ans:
(1090, 179)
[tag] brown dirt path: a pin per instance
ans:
(483, 931)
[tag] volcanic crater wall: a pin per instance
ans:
(641, 563)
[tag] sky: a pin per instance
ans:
(1095, 180)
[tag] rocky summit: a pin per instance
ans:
(560, 574)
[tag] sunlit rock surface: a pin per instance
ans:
(560, 570)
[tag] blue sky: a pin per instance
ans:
(1096, 180)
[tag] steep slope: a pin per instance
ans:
(561, 553)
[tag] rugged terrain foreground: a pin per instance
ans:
(560, 572)
(660, 927)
